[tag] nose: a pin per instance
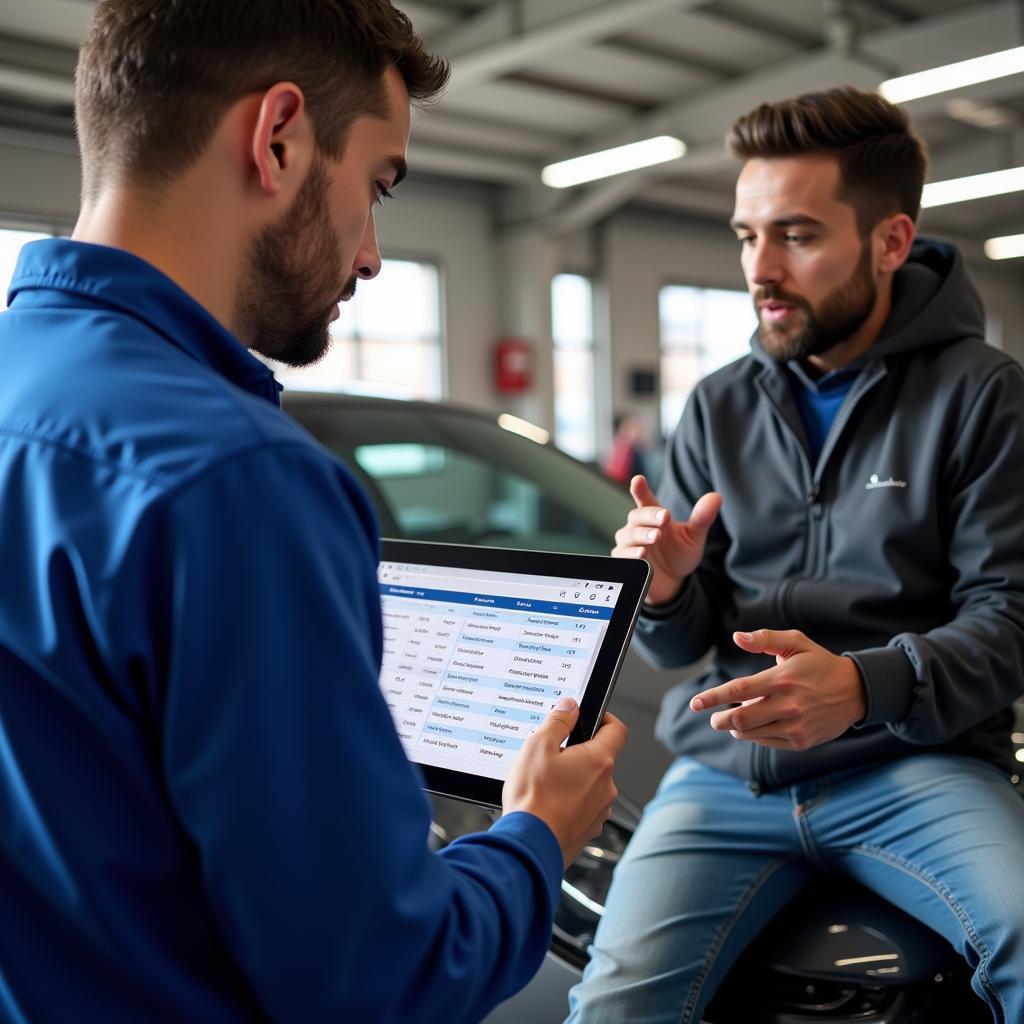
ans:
(367, 264)
(762, 263)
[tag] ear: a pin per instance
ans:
(893, 236)
(283, 143)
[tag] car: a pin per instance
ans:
(438, 472)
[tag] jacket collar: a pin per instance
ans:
(58, 271)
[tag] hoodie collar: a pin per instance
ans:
(934, 303)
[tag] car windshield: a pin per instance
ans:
(445, 475)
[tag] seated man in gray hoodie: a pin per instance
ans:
(840, 519)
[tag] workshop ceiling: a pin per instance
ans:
(539, 80)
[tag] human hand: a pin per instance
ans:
(571, 789)
(809, 697)
(673, 549)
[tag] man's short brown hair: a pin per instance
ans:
(155, 77)
(882, 162)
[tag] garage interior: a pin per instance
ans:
(641, 260)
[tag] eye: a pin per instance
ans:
(382, 193)
(745, 240)
(796, 238)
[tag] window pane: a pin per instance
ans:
(574, 402)
(387, 340)
(10, 245)
(729, 320)
(390, 460)
(702, 329)
(572, 318)
(402, 302)
(403, 369)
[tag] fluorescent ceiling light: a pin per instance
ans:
(954, 76)
(607, 162)
(523, 427)
(977, 186)
(1008, 247)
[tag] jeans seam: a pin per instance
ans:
(723, 933)
(803, 826)
(946, 895)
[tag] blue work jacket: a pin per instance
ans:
(205, 811)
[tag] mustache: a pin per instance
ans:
(349, 290)
(772, 294)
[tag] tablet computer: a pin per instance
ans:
(480, 643)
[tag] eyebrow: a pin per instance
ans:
(796, 220)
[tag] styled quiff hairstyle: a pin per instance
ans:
(882, 162)
(155, 77)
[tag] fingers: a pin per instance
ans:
(641, 491)
(611, 735)
(559, 722)
(736, 691)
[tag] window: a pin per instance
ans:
(387, 340)
(11, 242)
(572, 329)
(702, 329)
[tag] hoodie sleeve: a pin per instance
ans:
(930, 687)
(681, 632)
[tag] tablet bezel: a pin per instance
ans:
(632, 573)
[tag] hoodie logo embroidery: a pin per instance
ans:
(875, 483)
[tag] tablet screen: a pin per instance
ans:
(474, 661)
(476, 656)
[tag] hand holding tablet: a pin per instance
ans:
(571, 790)
(481, 643)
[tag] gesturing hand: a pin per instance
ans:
(809, 697)
(673, 549)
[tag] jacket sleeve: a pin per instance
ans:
(681, 632)
(284, 767)
(930, 687)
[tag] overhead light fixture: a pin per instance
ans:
(1008, 247)
(618, 160)
(954, 76)
(976, 186)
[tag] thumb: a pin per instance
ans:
(704, 513)
(641, 491)
(781, 642)
(560, 722)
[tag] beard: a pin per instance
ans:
(840, 315)
(287, 296)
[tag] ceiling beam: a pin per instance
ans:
(478, 166)
(508, 35)
(701, 121)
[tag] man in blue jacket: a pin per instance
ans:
(205, 811)
(841, 521)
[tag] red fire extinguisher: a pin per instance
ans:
(513, 365)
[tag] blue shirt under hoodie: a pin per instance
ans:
(205, 812)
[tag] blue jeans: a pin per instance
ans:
(941, 836)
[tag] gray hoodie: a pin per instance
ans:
(902, 546)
